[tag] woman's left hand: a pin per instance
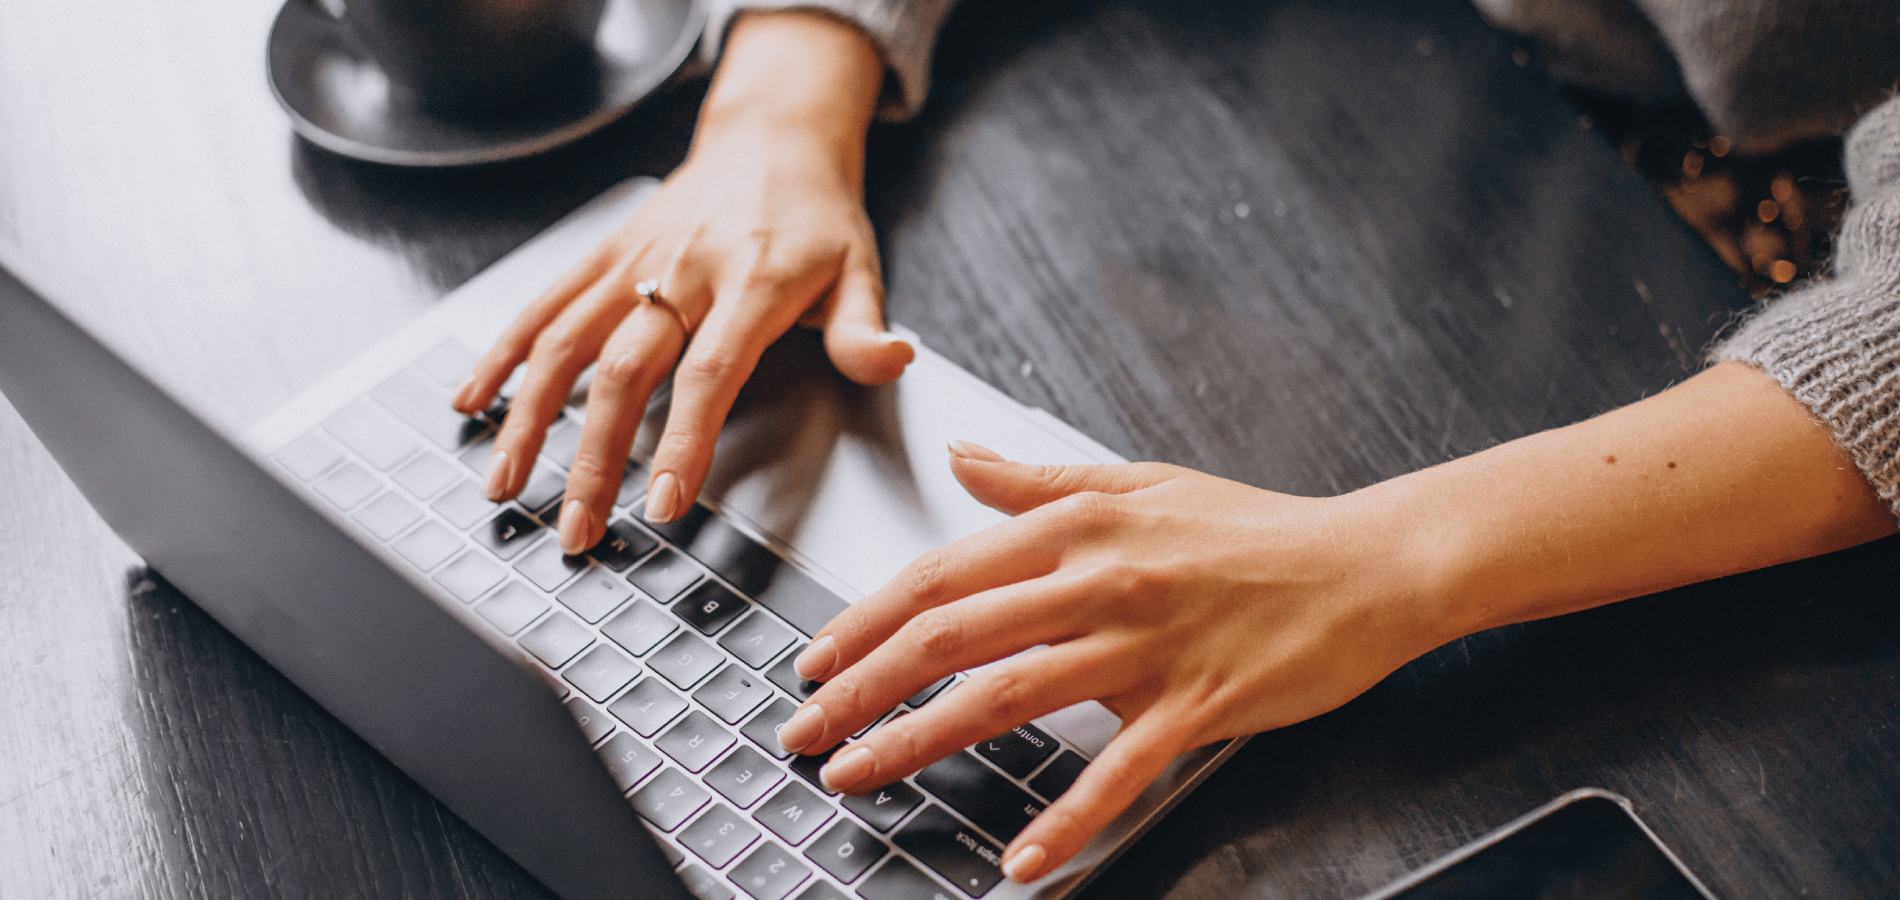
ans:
(1193, 607)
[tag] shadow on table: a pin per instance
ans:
(450, 223)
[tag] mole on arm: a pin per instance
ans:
(1609, 460)
(1672, 465)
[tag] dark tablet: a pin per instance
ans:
(1585, 844)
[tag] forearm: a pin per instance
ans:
(1722, 474)
(802, 81)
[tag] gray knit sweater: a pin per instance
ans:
(1766, 73)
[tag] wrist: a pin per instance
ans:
(795, 77)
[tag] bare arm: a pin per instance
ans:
(1197, 608)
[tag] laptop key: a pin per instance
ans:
(309, 456)
(664, 575)
(733, 693)
(600, 673)
(372, 434)
(846, 851)
(929, 693)
(822, 890)
(448, 364)
(596, 593)
(793, 813)
(464, 505)
(787, 678)
(899, 880)
(479, 455)
(633, 485)
(763, 729)
(668, 799)
(710, 606)
(508, 533)
(548, 567)
(1018, 751)
(387, 516)
(769, 873)
(744, 777)
(557, 639)
(470, 575)
(1060, 775)
(718, 835)
(628, 760)
(695, 742)
(977, 791)
(685, 660)
(347, 485)
(512, 608)
(544, 490)
(562, 443)
(622, 545)
(808, 767)
(703, 885)
(638, 627)
(426, 475)
(428, 545)
(757, 639)
(883, 808)
(594, 723)
(964, 858)
(648, 707)
(426, 409)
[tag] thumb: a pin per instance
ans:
(1016, 488)
(854, 326)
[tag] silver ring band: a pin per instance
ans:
(649, 290)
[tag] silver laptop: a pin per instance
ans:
(569, 707)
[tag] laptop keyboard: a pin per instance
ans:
(673, 645)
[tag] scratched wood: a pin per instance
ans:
(1301, 243)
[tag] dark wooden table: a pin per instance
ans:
(1309, 244)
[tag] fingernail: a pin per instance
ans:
(847, 769)
(576, 528)
(663, 498)
(460, 400)
(802, 728)
(817, 660)
(1022, 867)
(890, 337)
(500, 475)
(967, 450)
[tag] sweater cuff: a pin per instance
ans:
(1836, 348)
(904, 32)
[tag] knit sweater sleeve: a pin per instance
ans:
(1835, 345)
(904, 31)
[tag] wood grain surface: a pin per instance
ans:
(1304, 244)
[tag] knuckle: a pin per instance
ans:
(926, 576)
(1012, 697)
(620, 368)
(707, 368)
(554, 345)
(587, 472)
(937, 632)
(846, 700)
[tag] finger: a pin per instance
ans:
(561, 352)
(1145, 746)
(1016, 488)
(855, 336)
(633, 362)
(745, 317)
(994, 701)
(493, 369)
(1005, 553)
(970, 632)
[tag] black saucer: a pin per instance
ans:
(339, 98)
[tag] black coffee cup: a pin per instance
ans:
(479, 57)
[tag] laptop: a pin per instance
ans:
(607, 720)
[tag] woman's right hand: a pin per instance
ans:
(762, 227)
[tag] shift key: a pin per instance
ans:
(963, 857)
